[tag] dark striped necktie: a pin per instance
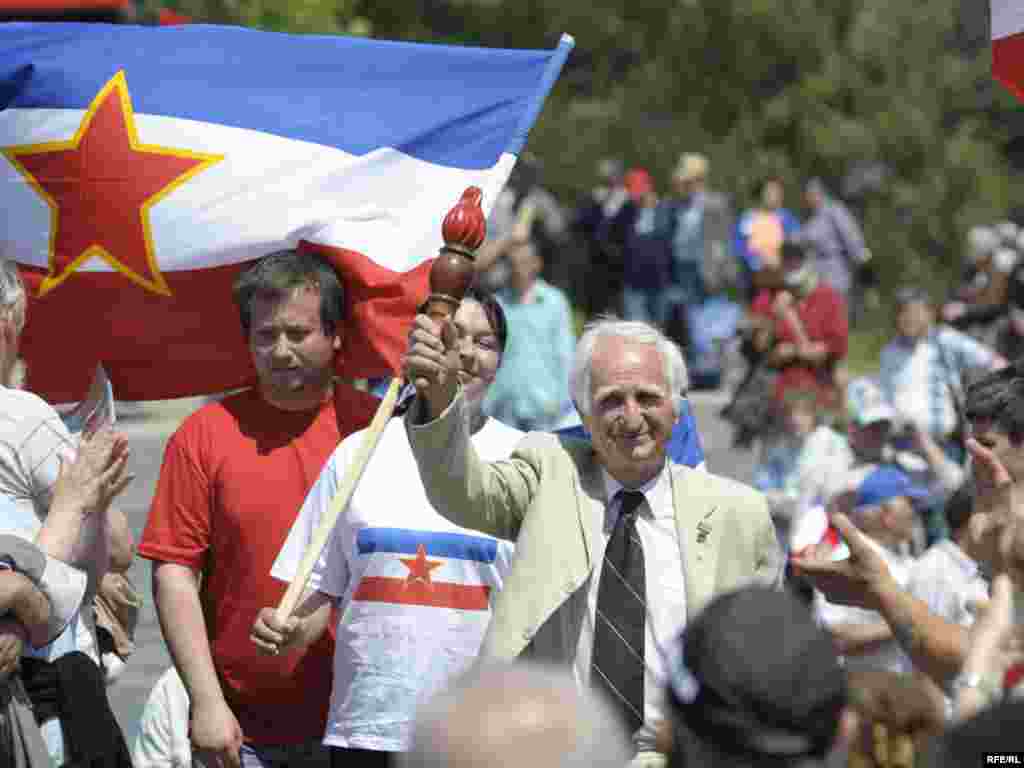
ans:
(618, 658)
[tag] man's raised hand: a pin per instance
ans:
(431, 362)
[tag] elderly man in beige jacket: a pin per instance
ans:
(616, 548)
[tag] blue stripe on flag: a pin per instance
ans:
(450, 105)
(406, 541)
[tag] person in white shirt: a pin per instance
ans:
(948, 577)
(413, 591)
(162, 741)
(882, 508)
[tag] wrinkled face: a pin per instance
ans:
(293, 356)
(914, 319)
(479, 350)
(632, 412)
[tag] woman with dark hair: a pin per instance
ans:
(413, 591)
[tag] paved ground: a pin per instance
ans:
(148, 427)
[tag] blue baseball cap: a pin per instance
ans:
(887, 483)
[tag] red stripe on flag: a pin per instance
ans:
(191, 343)
(153, 346)
(382, 305)
(1008, 63)
(436, 594)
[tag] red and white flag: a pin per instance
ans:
(1008, 44)
(142, 168)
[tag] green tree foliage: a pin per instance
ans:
(792, 87)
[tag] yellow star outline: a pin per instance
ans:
(57, 275)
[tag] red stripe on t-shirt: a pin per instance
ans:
(436, 594)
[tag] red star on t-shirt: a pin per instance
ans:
(419, 567)
(100, 185)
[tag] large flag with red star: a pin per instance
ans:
(1008, 44)
(142, 168)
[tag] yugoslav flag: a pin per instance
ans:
(1008, 44)
(433, 569)
(141, 168)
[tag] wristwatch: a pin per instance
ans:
(976, 681)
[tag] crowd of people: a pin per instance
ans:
(531, 568)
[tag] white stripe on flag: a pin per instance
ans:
(1007, 18)
(268, 192)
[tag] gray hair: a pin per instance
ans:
(12, 293)
(507, 713)
(641, 333)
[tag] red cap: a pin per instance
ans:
(637, 182)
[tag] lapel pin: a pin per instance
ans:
(704, 527)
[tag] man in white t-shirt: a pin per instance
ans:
(947, 577)
(413, 590)
(882, 508)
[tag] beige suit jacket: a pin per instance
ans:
(549, 497)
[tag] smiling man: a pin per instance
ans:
(615, 547)
(233, 479)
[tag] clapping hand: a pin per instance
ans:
(98, 472)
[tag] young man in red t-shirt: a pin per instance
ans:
(233, 479)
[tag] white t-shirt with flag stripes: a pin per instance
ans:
(414, 590)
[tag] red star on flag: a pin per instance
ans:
(419, 567)
(100, 185)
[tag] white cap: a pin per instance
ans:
(981, 241)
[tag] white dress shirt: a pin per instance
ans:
(948, 580)
(666, 595)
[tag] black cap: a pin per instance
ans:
(758, 677)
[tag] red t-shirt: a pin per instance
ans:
(823, 313)
(233, 479)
